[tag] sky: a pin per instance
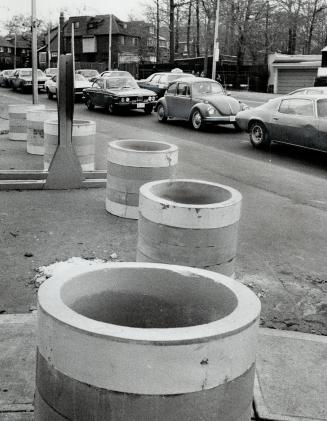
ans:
(49, 10)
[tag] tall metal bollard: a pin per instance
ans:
(132, 341)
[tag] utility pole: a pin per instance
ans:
(110, 41)
(215, 56)
(49, 48)
(15, 51)
(34, 53)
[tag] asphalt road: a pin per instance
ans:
(283, 231)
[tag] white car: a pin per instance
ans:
(80, 84)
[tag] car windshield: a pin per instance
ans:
(52, 71)
(322, 108)
(8, 72)
(116, 73)
(175, 76)
(26, 73)
(121, 83)
(88, 73)
(79, 77)
(207, 88)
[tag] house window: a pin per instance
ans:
(89, 45)
(150, 42)
(8, 49)
(125, 25)
(23, 51)
(76, 24)
(151, 30)
(2, 50)
(122, 40)
(134, 41)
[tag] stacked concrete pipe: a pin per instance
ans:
(83, 141)
(132, 341)
(17, 119)
(35, 129)
(189, 222)
(131, 163)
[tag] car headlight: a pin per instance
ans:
(210, 109)
(122, 99)
(127, 99)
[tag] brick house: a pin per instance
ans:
(92, 43)
(7, 52)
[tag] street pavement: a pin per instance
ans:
(281, 256)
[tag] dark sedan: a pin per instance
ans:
(159, 82)
(200, 101)
(297, 120)
(115, 93)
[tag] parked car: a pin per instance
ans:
(119, 93)
(51, 71)
(22, 79)
(198, 100)
(115, 73)
(89, 74)
(4, 77)
(159, 82)
(51, 86)
(299, 120)
(312, 90)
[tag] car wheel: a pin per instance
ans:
(196, 120)
(161, 113)
(89, 104)
(259, 135)
(148, 109)
(50, 94)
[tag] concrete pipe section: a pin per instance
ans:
(17, 119)
(83, 141)
(35, 129)
(131, 163)
(189, 222)
(142, 341)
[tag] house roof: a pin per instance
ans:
(9, 41)
(97, 25)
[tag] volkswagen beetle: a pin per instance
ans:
(200, 101)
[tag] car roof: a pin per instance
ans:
(194, 79)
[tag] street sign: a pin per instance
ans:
(43, 57)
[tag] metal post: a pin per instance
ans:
(110, 41)
(15, 51)
(73, 48)
(49, 48)
(215, 56)
(34, 53)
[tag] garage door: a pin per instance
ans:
(291, 79)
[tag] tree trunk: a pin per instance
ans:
(197, 28)
(189, 16)
(158, 33)
(177, 32)
(171, 31)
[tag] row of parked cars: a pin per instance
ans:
(299, 118)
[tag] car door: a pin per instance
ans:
(182, 102)
(298, 119)
(170, 98)
(15, 80)
(320, 142)
(96, 92)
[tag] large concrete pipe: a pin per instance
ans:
(189, 222)
(35, 129)
(17, 119)
(83, 141)
(142, 341)
(131, 163)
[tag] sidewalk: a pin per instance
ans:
(291, 382)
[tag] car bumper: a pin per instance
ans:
(135, 106)
(242, 123)
(220, 119)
